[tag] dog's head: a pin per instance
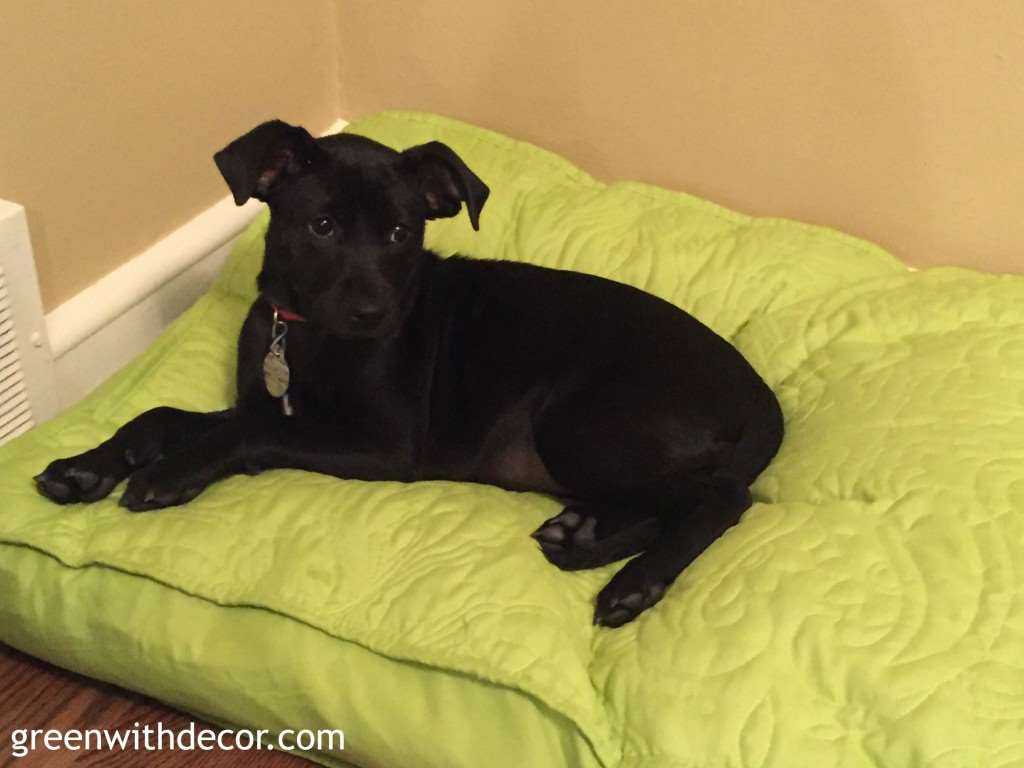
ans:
(347, 215)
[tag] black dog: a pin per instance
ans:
(368, 357)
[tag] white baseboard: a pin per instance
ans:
(112, 343)
(93, 309)
(97, 331)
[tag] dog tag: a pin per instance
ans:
(276, 374)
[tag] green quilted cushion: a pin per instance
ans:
(867, 611)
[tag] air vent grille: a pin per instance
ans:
(15, 408)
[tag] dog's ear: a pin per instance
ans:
(252, 164)
(445, 181)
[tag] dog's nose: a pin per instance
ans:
(367, 315)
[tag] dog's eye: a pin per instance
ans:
(398, 234)
(321, 226)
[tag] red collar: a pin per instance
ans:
(287, 316)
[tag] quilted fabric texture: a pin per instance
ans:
(867, 611)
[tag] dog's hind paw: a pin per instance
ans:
(583, 536)
(566, 538)
(626, 596)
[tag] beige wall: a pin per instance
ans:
(898, 120)
(901, 121)
(111, 112)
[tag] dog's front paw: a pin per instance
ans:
(87, 477)
(630, 592)
(165, 483)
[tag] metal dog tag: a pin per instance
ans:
(276, 374)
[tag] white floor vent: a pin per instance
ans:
(27, 395)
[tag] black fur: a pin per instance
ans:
(411, 367)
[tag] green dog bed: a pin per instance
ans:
(867, 611)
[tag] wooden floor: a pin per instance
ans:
(34, 694)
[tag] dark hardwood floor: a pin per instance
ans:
(34, 695)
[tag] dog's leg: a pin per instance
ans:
(644, 579)
(92, 475)
(651, 477)
(250, 443)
